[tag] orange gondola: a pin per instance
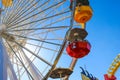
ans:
(7, 3)
(82, 14)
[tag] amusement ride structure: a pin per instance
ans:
(34, 34)
(32, 38)
(113, 69)
(29, 30)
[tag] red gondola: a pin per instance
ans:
(78, 49)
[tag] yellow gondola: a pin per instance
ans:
(7, 3)
(82, 14)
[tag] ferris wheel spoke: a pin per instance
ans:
(16, 63)
(15, 8)
(6, 10)
(36, 39)
(42, 19)
(39, 73)
(19, 10)
(37, 13)
(34, 59)
(32, 33)
(50, 60)
(61, 19)
(20, 60)
(44, 47)
(58, 37)
(30, 29)
(30, 66)
(33, 54)
(22, 67)
(44, 32)
(20, 74)
(56, 21)
(56, 59)
(22, 12)
(11, 71)
(9, 67)
(18, 71)
(38, 36)
(48, 39)
(54, 39)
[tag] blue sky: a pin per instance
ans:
(104, 31)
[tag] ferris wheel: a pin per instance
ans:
(33, 38)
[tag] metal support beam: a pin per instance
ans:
(74, 60)
(3, 62)
(72, 65)
(6, 67)
(31, 67)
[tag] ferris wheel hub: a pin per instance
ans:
(5, 34)
(2, 27)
